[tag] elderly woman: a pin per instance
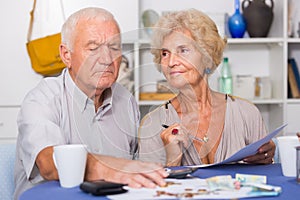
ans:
(199, 125)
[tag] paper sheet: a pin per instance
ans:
(248, 150)
(192, 188)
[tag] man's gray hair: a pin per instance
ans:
(69, 27)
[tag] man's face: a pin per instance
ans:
(96, 55)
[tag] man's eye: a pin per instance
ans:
(115, 48)
(94, 48)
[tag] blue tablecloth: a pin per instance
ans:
(290, 188)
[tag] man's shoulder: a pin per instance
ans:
(117, 87)
(120, 92)
(47, 88)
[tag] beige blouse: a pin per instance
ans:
(243, 126)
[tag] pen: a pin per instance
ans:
(165, 126)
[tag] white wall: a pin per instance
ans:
(17, 77)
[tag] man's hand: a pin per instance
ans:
(264, 155)
(135, 173)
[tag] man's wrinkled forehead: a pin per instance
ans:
(108, 30)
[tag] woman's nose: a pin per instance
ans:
(174, 60)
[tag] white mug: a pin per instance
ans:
(287, 153)
(70, 161)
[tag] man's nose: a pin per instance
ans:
(105, 56)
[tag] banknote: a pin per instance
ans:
(224, 182)
(251, 178)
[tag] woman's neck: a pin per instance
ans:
(191, 100)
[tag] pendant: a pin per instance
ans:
(205, 139)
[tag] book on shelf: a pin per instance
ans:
(293, 78)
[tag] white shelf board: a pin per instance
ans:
(268, 101)
(254, 40)
(293, 101)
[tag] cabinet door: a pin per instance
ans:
(293, 113)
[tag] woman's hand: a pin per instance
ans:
(173, 138)
(264, 155)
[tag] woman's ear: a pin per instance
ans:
(65, 55)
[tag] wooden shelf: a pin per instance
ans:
(150, 96)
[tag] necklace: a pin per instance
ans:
(205, 139)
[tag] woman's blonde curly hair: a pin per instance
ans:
(203, 30)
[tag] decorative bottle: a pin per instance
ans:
(237, 22)
(225, 80)
(259, 17)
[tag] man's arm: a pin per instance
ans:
(45, 164)
(132, 172)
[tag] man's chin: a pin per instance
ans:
(104, 84)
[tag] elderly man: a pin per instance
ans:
(84, 105)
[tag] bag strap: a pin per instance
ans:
(29, 33)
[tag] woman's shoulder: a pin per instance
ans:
(155, 115)
(243, 105)
(239, 100)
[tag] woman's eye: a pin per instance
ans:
(164, 53)
(184, 50)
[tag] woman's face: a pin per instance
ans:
(181, 61)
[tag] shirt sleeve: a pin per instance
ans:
(151, 147)
(134, 145)
(38, 126)
(255, 126)
(243, 125)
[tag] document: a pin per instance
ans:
(191, 188)
(248, 150)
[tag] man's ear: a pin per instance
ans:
(65, 55)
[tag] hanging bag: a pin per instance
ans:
(44, 52)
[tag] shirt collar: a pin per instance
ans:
(80, 98)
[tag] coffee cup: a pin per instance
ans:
(287, 154)
(70, 162)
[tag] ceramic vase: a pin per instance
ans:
(237, 23)
(259, 17)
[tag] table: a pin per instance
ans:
(290, 188)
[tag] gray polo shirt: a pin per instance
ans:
(58, 112)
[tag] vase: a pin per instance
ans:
(237, 23)
(258, 16)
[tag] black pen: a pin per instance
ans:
(165, 126)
